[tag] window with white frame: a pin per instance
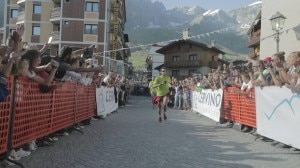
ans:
(90, 29)
(176, 58)
(91, 6)
(14, 13)
(193, 57)
(36, 30)
(37, 9)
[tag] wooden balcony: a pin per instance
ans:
(254, 40)
(213, 64)
(183, 64)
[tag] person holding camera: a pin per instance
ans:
(162, 84)
(277, 68)
(293, 75)
(34, 59)
(256, 73)
(64, 59)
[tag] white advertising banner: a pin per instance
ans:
(105, 98)
(208, 103)
(278, 114)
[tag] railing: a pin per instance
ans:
(254, 38)
(21, 17)
(183, 64)
(21, 2)
(55, 14)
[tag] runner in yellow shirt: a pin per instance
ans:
(162, 84)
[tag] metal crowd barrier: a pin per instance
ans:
(239, 108)
(37, 114)
(5, 119)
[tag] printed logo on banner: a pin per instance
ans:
(208, 103)
(102, 104)
(284, 103)
(110, 96)
(209, 98)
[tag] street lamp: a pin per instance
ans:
(277, 22)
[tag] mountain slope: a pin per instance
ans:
(155, 24)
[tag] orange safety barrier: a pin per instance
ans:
(38, 114)
(239, 108)
(248, 109)
(85, 102)
(64, 107)
(5, 111)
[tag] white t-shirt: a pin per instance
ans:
(107, 79)
(31, 74)
(246, 86)
(72, 76)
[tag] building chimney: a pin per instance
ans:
(213, 42)
(186, 34)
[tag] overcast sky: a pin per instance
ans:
(207, 4)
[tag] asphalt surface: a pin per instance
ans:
(133, 138)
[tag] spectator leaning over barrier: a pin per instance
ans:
(33, 57)
(246, 86)
(256, 75)
(277, 68)
(66, 55)
(205, 83)
(108, 79)
(225, 79)
(72, 76)
(217, 82)
(293, 76)
(46, 63)
(5, 71)
(266, 72)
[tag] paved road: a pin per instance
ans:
(133, 138)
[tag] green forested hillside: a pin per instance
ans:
(138, 58)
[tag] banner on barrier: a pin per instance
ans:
(278, 114)
(105, 98)
(208, 103)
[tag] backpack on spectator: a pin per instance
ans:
(3, 88)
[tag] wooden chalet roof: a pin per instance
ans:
(167, 47)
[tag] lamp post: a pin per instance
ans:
(277, 22)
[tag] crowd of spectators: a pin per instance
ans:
(19, 58)
(277, 70)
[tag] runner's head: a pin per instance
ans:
(163, 71)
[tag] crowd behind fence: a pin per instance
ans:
(35, 114)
